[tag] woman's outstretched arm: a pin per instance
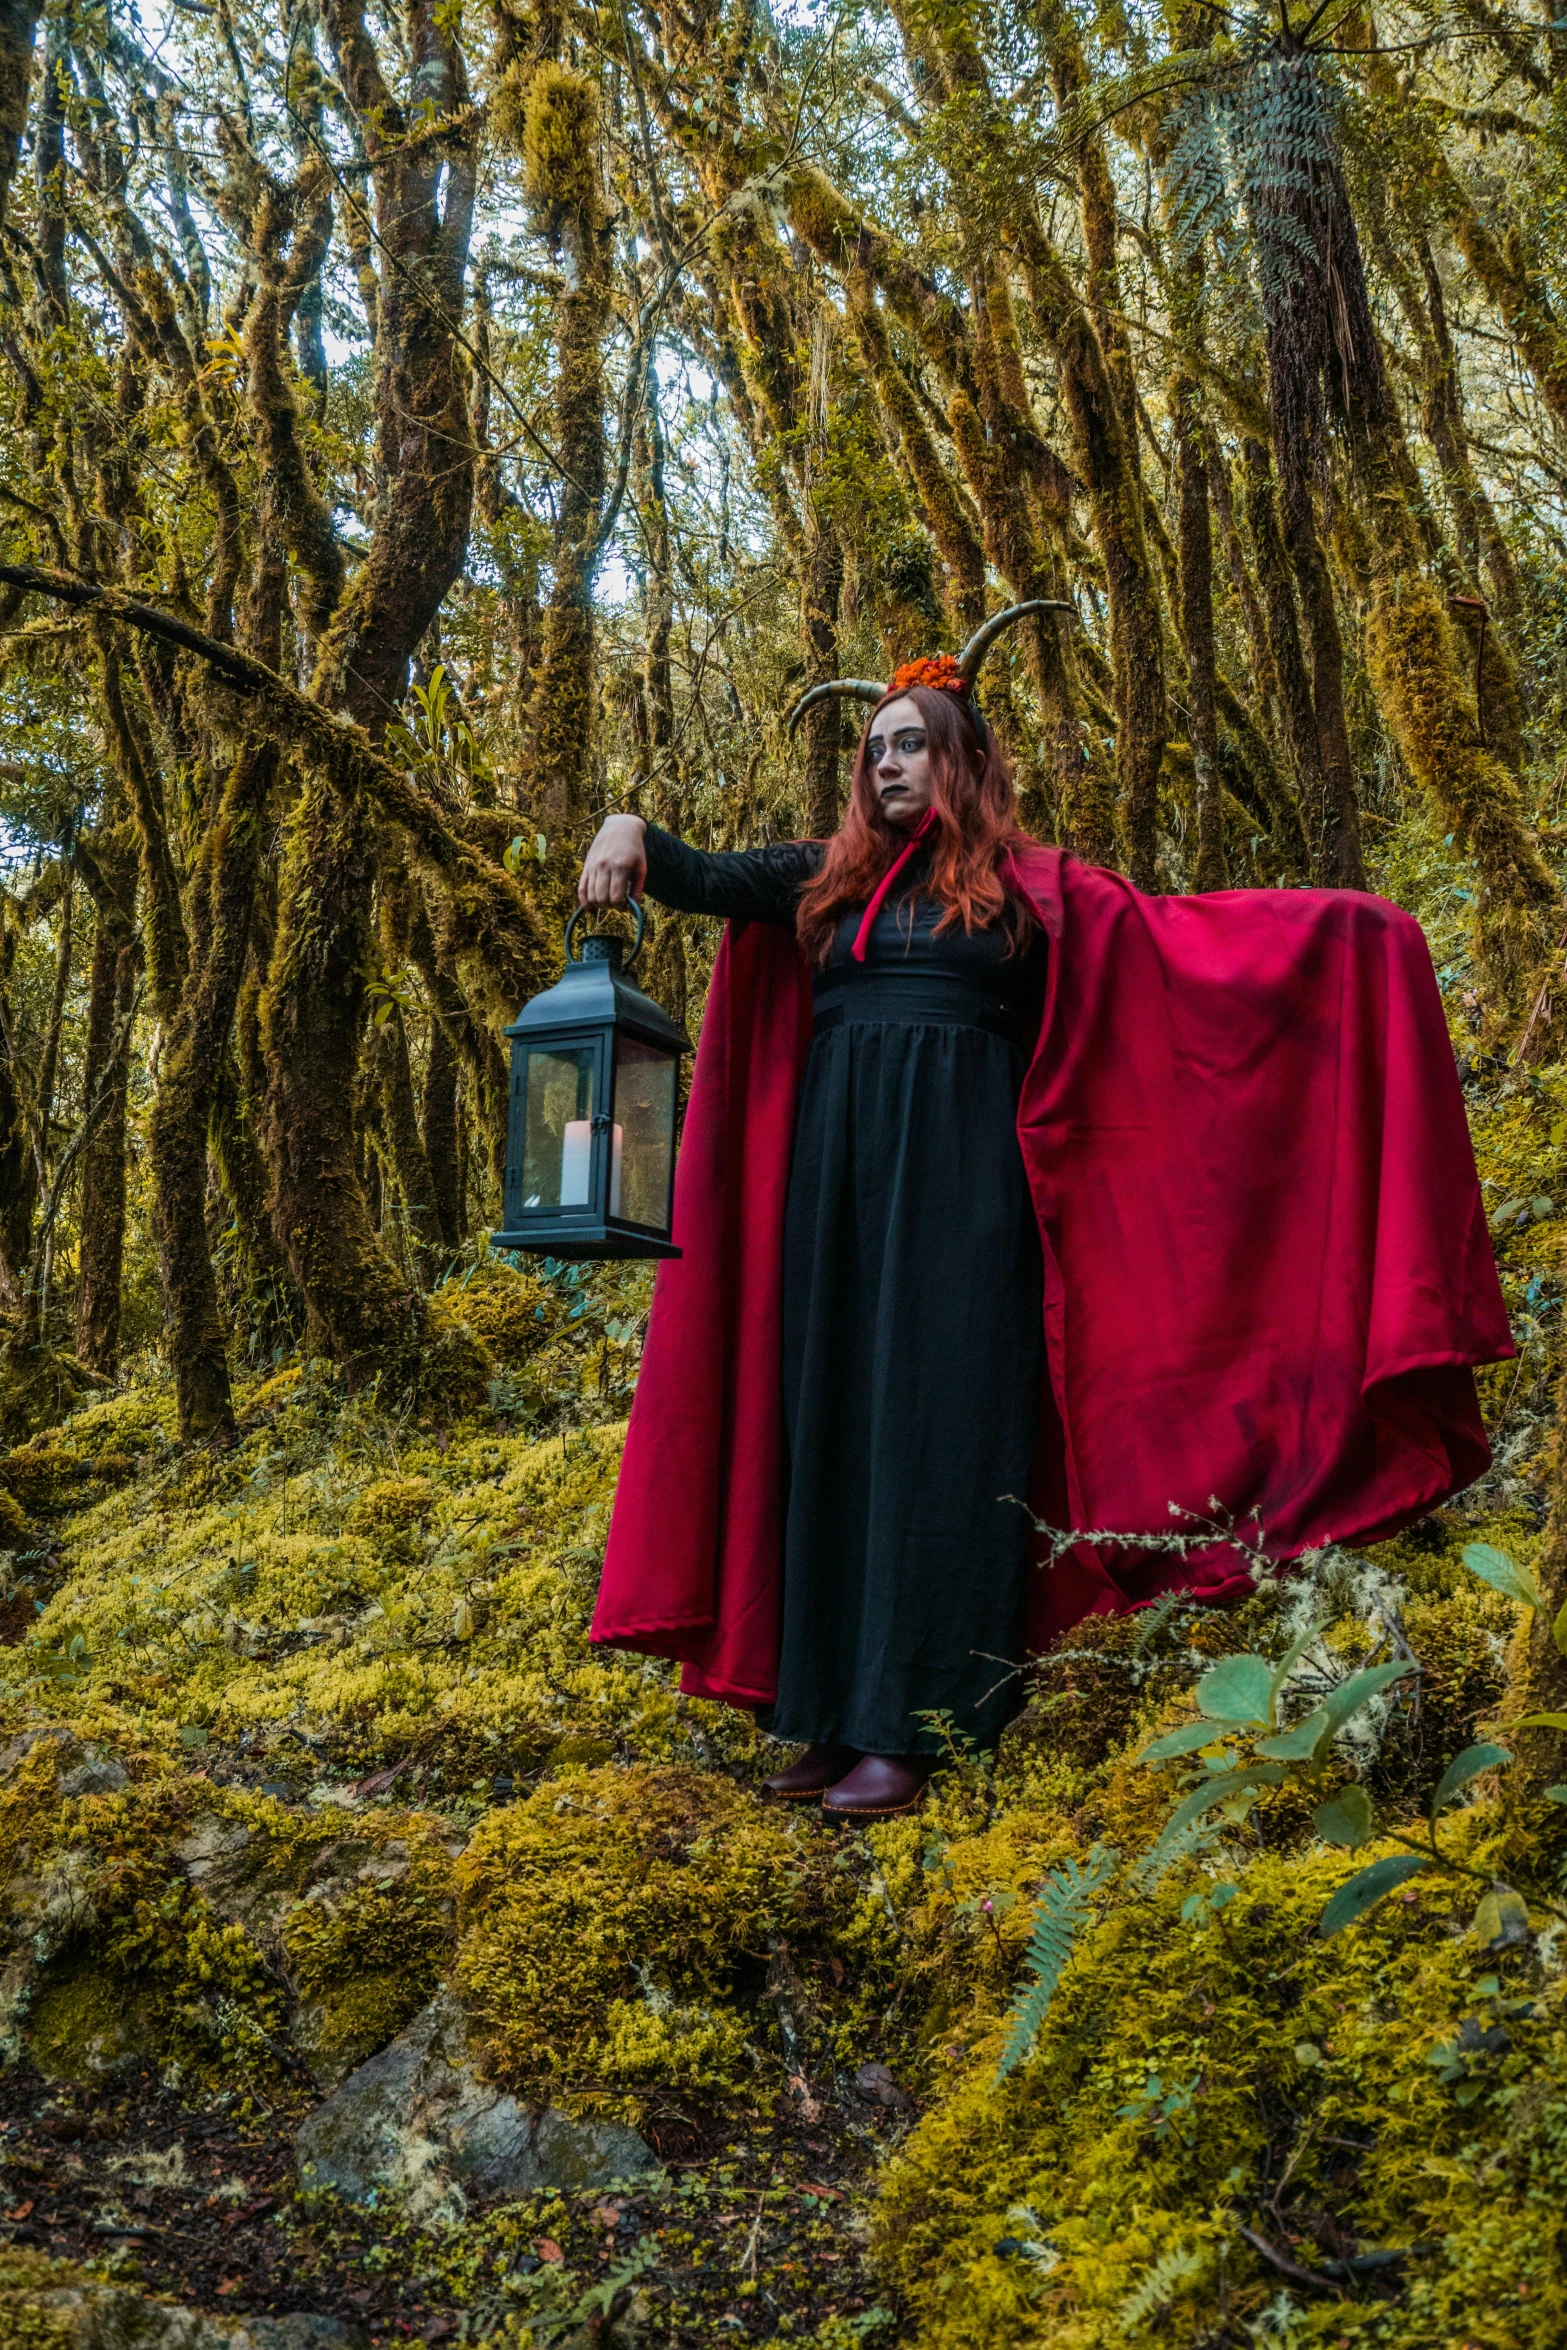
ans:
(741, 885)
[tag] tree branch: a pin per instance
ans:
(498, 918)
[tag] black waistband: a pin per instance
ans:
(913, 997)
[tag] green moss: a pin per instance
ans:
(43, 1476)
(83, 2027)
(510, 1312)
(366, 1957)
(455, 1367)
(1413, 666)
(393, 1514)
(354, 2020)
(560, 146)
(616, 1928)
(246, 1597)
(638, 1935)
(1091, 2196)
(141, 1421)
(38, 2300)
(131, 1960)
(38, 1385)
(13, 1523)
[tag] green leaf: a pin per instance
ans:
(1540, 1722)
(1186, 1740)
(1290, 1659)
(1346, 1818)
(1504, 1214)
(1303, 1743)
(1463, 1768)
(1541, 1207)
(1236, 1689)
(1502, 1916)
(1559, 1631)
(1218, 1790)
(1310, 1737)
(1503, 1573)
(1554, 1794)
(1358, 1691)
(1364, 1890)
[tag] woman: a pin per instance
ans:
(909, 1243)
(967, 1112)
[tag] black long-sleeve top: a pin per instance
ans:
(736, 885)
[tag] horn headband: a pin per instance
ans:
(943, 672)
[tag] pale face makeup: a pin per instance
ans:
(898, 756)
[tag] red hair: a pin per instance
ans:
(976, 826)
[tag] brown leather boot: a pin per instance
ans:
(818, 1768)
(878, 1786)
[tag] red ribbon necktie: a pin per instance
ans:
(862, 936)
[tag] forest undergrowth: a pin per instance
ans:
(303, 1730)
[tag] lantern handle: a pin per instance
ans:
(635, 904)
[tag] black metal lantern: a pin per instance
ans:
(595, 1086)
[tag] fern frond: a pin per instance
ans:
(1063, 1907)
(1164, 2280)
(1186, 1844)
(1152, 1621)
(1092, 109)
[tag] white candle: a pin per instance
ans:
(576, 1158)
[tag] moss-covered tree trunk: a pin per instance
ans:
(18, 1164)
(18, 30)
(1414, 663)
(259, 1276)
(106, 1057)
(560, 171)
(440, 1130)
(1297, 709)
(1340, 862)
(1512, 278)
(821, 589)
(360, 1309)
(1196, 566)
(399, 1123)
(287, 235)
(663, 769)
(187, 1087)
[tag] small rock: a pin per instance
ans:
(95, 1774)
(79, 2316)
(234, 1868)
(212, 1847)
(42, 2301)
(418, 2120)
(79, 1770)
(298, 2331)
(17, 1749)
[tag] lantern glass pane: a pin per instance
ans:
(558, 1127)
(644, 1132)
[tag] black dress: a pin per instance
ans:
(912, 1338)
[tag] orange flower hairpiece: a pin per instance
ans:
(939, 671)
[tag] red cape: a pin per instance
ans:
(1267, 1268)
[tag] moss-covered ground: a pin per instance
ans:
(292, 1735)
